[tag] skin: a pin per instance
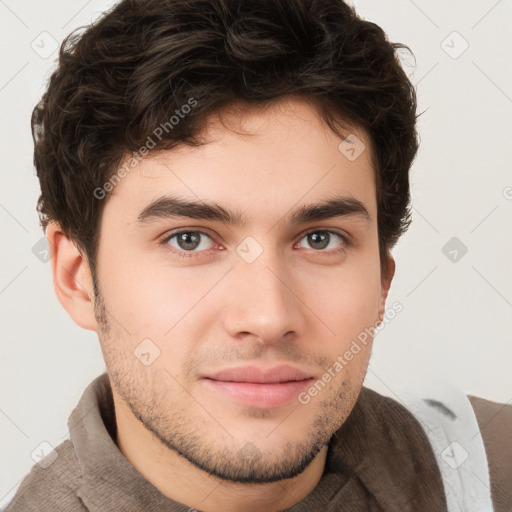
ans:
(297, 304)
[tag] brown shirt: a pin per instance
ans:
(379, 460)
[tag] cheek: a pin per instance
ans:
(346, 299)
(150, 297)
(165, 305)
(173, 306)
(349, 308)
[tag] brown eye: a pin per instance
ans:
(189, 241)
(320, 240)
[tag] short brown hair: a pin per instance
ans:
(129, 72)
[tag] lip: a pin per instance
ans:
(254, 374)
(259, 387)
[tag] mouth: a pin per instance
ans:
(259, 388)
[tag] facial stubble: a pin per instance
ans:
(231, 460)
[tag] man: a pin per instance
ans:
(222, 184)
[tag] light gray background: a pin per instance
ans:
(456, 322)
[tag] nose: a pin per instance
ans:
(262, 302)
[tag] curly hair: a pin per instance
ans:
(142, 62)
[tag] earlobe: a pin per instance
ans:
(72, 278)
(386, 279)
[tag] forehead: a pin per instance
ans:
(260, 160)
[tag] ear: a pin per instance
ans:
(72, 279)
(386, 277)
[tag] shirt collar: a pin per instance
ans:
(371, 459)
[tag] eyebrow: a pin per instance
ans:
(169, 207)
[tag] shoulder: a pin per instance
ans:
(495, 424)
(51, 484)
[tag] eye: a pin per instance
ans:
(188, 241)
(325, 239)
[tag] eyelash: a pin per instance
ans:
(346, 242)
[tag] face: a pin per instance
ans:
(225, 325)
